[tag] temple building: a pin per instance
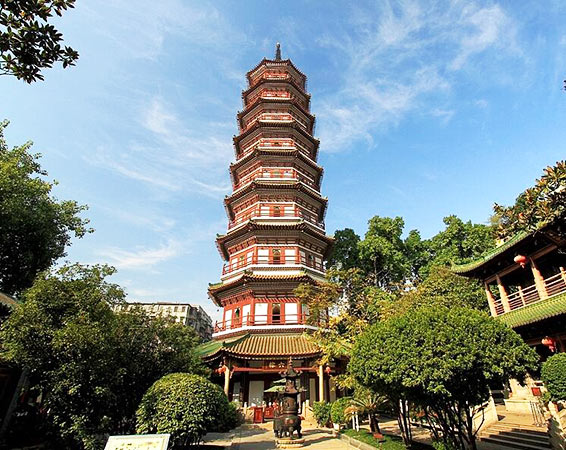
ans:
(525, 285)
(275, 241)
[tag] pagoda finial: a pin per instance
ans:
(278, 52)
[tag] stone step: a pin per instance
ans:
(523, 438)
(509, 443)
(532, 429)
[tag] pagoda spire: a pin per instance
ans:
(278, 52)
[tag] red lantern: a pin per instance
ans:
(521, 259)
(327, 370)
(550, 343)
(221, 370)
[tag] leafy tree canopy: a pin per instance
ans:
(459, 242)
(542, 204)
(35, 228)
(441, 287)
(28, 42)
(92, 365)
(442, 359)
(383, 252)
(345, 253)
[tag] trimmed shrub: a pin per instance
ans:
(337, 410)
(321, 412)
(553, 374)
(186, 406)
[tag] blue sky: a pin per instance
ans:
(424, 109)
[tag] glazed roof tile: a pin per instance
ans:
(258, 345)
(491, 254)
(540, 310)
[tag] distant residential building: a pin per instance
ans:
(190, 315)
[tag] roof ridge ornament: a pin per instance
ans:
(278, 52)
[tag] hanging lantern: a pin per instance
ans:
(327, 369)
(220, 370)
(521, 259)
(550, 343)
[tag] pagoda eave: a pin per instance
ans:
(293, 125)
(274, 62)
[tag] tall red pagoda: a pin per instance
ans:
(275, 241)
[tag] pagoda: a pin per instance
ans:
(275, 241)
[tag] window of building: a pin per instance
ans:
(276, 256)
(276, 313)
(277, 211)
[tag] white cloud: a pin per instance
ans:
(403, 56)
(486, 27)
(172, 156)
(141, 257)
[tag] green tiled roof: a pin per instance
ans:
(257, 345)
(463, 268)
(543, 309)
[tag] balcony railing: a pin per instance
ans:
(268, 144)
(271, 261)
(258, 320)
(296, 213)
(554, 285)
(276, 173)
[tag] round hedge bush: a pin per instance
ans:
(186, 406)
(321, 413)
(553, 374)
(337, 410)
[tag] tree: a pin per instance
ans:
(540, 205)
(186, 406)
(553, 373)
(341, 307)
(35, 228)
(28, 42)
(383, 253)
(91, 365)
(441, 360)
(345, 252)
(442, 287)
(459, 242)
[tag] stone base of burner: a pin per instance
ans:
(290, 443)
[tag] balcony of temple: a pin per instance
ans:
(277, 137)
(514, 294)
(276, 113)
(270, 91)
(278, 144)
(290, 172)
(276, 212)
(278, 257)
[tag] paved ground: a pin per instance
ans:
(254, 437)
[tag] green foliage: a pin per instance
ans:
(354, 304)
(386, 443)
(337, 410)
(345, 253)
(553, 374)
(458, 243)
(441, 359)
(321, 412)
(442, 287)
(542, 204)
(383, 252)
(184, 405)
(28, 42)
(92, 365)
(35, 228)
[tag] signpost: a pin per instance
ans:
(138, 442)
